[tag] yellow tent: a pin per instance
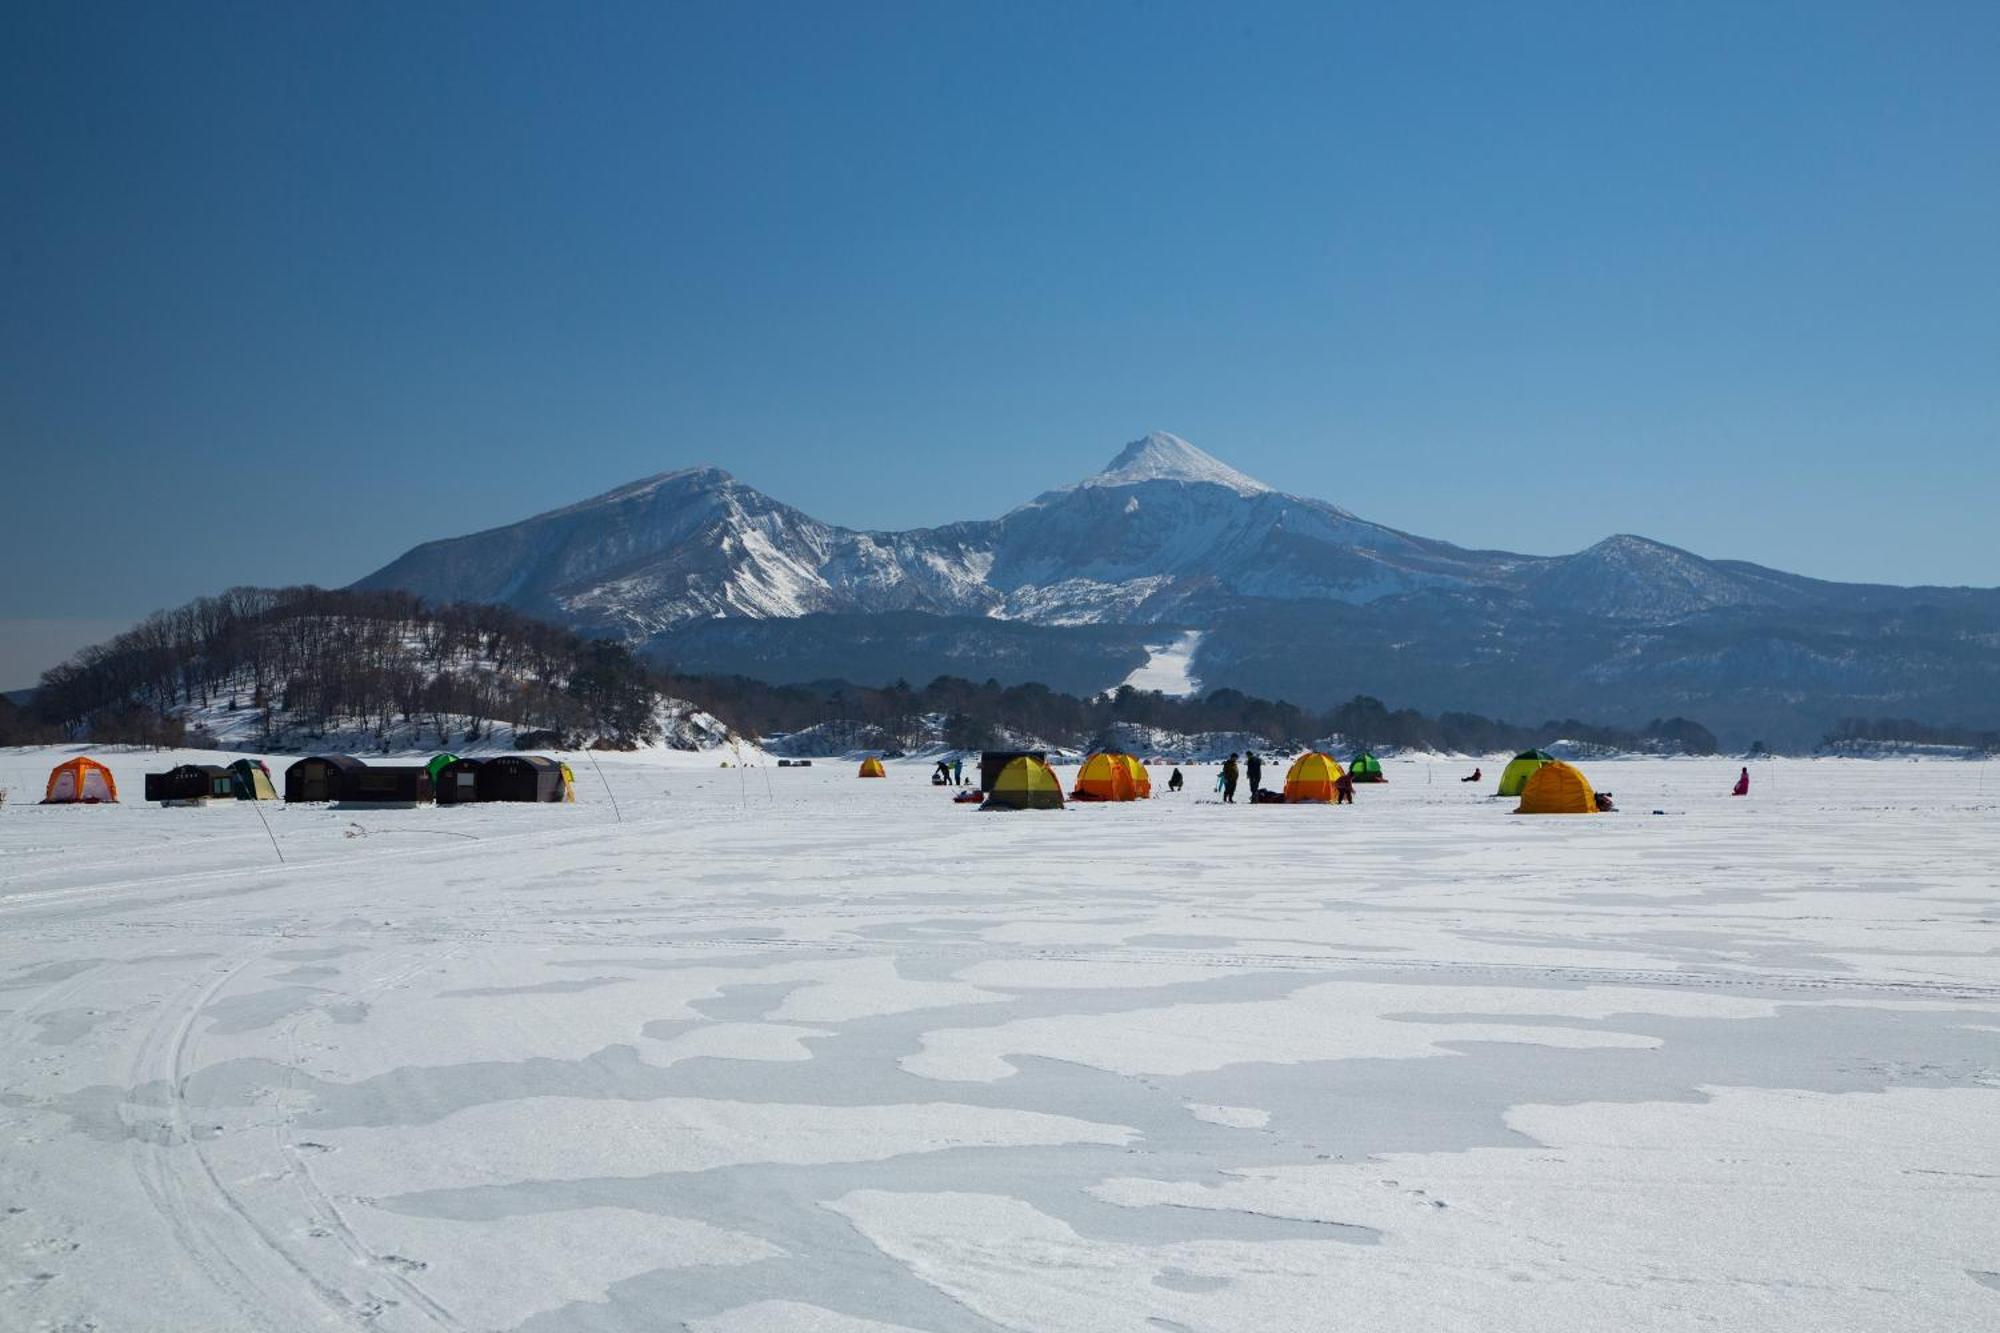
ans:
(871, 767)
(1311, 777)
(1025, 784)
(80, 782)
(1142, 781)
(1557, 788)
(1106, 777)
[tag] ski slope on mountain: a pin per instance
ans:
(779, 1049)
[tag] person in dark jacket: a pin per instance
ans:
(1229, 779)
(1343, 789)
(1174, 780)
(1474, 778)
(1253, 768)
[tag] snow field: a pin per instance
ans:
(784, 1050)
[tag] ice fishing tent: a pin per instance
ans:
(1515, 776)
(1142, 781)
(992, 763)
(321, 777)
(1107, 777)
(521, 777)
(252, 780)
(1365, 767)
(457, 783)
(80, 781)
(1556, 788)
(1311, 777)
(186, 784)
(437, 765)
(1025, 784)
(871, 767)
(388, 784)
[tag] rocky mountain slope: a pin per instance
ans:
(1169, 536)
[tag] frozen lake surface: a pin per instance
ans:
(787, 1051)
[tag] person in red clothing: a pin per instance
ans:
(1742, 787)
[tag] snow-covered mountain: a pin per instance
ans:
(1165, 531)
(1165, 534)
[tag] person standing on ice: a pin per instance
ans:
(958, 770)
(1742, 787)
(1253, 768)
(1229, 779)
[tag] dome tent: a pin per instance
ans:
(871, 767)
(252, 780)
(1025, 784)
(1112, 777)
(1365, 767)
(1311, 777)
(80, 781)
(1557, 788)
(1515, 775)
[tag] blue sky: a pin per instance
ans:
(290, 288)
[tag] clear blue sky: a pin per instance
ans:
(289, 288)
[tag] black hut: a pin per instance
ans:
(388, 784)
(189, 783)
(322, 777)
(520, 777)
(992, 761)
(458, 782)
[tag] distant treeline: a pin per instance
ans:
(307, 660)
(1906, 731)
(976, 714)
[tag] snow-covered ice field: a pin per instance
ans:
(790, 1051)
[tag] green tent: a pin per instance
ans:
(1520, 769)
(1365, 767)
(436, 765)
(252, 781)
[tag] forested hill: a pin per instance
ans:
(306, 667)
(275, 668)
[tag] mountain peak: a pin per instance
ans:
(1164, 457)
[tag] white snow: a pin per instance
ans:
(1163, 457)
(1169, 668)
(784, 1050)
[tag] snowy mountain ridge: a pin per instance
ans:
(1165, 533)
(1292, 597)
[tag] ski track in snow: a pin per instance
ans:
(1170, 668)
(786, 1051)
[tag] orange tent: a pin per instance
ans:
(871, 767)
(1111, 777)
(80, 781)
(1311, 777)
(1557, 788)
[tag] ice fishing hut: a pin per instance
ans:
(522, 777)
(321, 777)
(457, 782)
(191, 784)
(388, 784)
